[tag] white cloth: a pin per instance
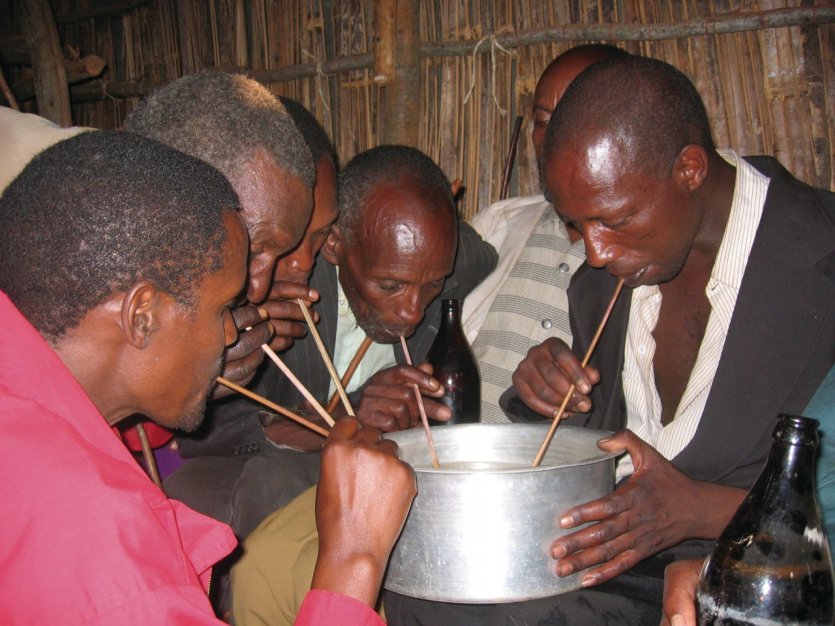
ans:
(22, 136)
(643, 404)
(524, 301)
(349, 336)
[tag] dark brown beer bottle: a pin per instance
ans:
(455, 367)
(772, 565)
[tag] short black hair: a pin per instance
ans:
(223, 119)
(93, 215)
(647, 101)
(387, 164)
(313, 133)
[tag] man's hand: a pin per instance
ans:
(680, 580)
(243, 357)
(545, 375)
(363, 498)
(286, 318)
(656, 508)
(388, 399)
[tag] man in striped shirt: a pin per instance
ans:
(524, 301)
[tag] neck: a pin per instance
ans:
(87, 353)
(715, 197)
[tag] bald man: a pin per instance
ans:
(524, 302)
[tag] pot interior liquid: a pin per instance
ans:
(475, 465)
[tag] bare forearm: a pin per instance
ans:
(713, 507)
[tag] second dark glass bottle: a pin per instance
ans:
(771, 565)
(455, 367)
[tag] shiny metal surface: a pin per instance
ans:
(483, 535)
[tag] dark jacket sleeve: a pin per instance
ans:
(474, 261)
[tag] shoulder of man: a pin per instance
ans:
(474, 261)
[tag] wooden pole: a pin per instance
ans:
(41, 36)
(385, 35)
(400, 108)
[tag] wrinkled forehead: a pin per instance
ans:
(406, 230)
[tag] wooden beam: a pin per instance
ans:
(7, 92)
(77, 71)
(41, 36)
(713, 25)
(717, 24)
(98, 90)
(14, 51)
(111, 9)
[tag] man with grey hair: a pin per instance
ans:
(235, 124)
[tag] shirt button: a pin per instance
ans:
(546, 324)
(563, 267)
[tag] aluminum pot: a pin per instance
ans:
(480, 527)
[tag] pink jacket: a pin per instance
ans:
(85, 536)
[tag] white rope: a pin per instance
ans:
(494, 43)
(320, 75)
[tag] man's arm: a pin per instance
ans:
(363, 497)
(680, 581)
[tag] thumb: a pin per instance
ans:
(621, 441)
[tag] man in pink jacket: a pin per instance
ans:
(120, 258)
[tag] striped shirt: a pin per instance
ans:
(643, 404)
(530, 304)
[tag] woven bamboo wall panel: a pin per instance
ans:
(768, 91)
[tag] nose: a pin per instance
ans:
(260, 277)
(230, 331)
(599, 251)
(410, 308)
(302, 258)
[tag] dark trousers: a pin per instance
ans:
(633, 598)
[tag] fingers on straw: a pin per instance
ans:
(272, 405)
(558, 415)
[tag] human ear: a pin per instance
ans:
(140, 313)
(333, 245)
(691, 166)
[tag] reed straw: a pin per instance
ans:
(272, 405)
(326, 358)
(435, 463)
(349, 372)
(558, 415)
(148, 454)
(298, 384)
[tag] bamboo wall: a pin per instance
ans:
(767, 91)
